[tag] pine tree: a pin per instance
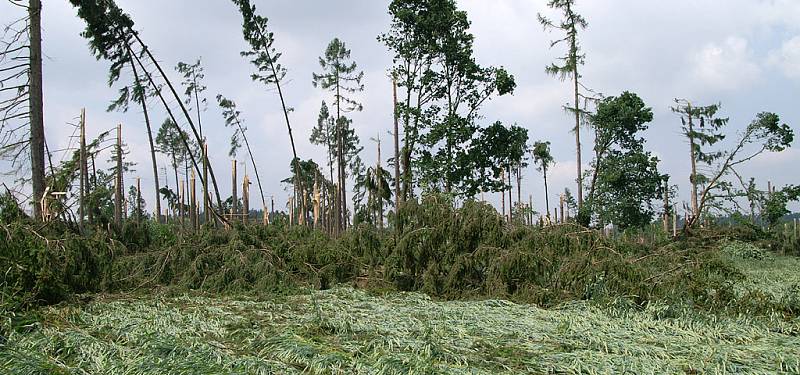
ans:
(340, 77)
(570, 25)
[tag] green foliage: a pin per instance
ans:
(625, 178)
(49, 267)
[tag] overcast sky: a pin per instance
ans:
(742, 53)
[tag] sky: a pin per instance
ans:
(744, 54)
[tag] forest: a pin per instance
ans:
(427, 255)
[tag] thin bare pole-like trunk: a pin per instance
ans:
(546, 194)
(396, 150)
(578, 136)
(693, 177)
(83, 170)
(36, 105)
(118, 191)
(183, 109)
(143, 102)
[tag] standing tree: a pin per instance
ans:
(764, 134)
(231, 115)
(543, 160)
(700, 138)
(340, 76)
(193, 88)
(265, 58)
(22, 113)
(324, 134)
(568, 68)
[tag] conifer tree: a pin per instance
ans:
(567, 68)
(340, 76)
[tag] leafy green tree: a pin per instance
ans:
(617, 123)
(543, 160)
(445, 89)
(567, 67)
(775, 204)
(341, 77)
(233, 119)
(625, 178)
(264, 58)
(169, 141)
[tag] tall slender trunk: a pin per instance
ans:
(253, 160)
(546, 194)
(143, 102)
(183, 109)
(396, 149)
(693, 176)
(578, 136)
(36, 105)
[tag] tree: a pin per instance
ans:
(567, 67)
(232, 118)
(775, 204)
(265, 58)
(22, 112)
(617, 122)
(625, 178)
(340, 76)
(112, 37)
(324, 134)
(708, 134)
(139, 94)
(193, 87)
(170, 142)
(445, 88)
(543, 160)
(764, 134)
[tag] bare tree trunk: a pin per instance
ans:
(546, 194)
(118, 195)
(143, 102)
(693, 177)
(83, 170)
(36, 105)
(234, 197)
(578, 139)
(396, 150)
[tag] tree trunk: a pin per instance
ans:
(546, 194)
(143, 103)
(578, 137)
(396, 150)
(183, 108)
(36, 106)
(119, 189)
(693, 176)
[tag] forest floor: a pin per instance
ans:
(344, 330)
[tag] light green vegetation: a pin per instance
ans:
(350, 331)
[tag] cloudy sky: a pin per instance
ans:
(742, 53)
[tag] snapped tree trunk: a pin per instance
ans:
(36, 106)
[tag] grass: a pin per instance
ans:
(351, 331)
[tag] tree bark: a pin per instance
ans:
(578, 137)
(36, 106)
(396, 150)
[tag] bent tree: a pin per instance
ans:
(232, 118)
(268, 70)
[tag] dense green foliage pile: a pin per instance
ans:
(468, 252)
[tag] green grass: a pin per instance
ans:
(350, 331)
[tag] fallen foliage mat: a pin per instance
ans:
(350, 331)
